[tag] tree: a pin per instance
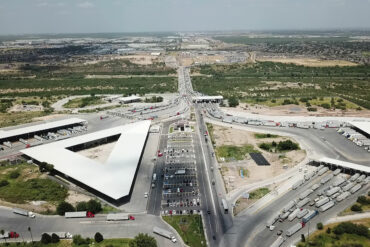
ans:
(78, 240)
(54, 238)
(4, 183)
(143, 240)
(64, 207)
(45, 167)
(45, 238)
(233, 101)
(94, 206)
(14, 174)
(81, 206)
(328, 231)
(303, 238)
(319, 226)
(98, 237)
(363, 200)
(356, 208)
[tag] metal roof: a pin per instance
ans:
(208, 97)
(39, 127)
(129, 98)
(114, 178)
(364, 126)
(345, 164)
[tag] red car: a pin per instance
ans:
(131, 217)
(160, 154)
(13, 235)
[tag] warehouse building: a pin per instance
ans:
(208, 99)
(39, 129)
(361, 127)
(129, 99)
(113, 180)
(346, 167)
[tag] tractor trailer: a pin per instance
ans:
(295, 228)
(164, 233)
(23, 212)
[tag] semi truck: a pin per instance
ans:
(9, 235)
(309, 175)
(284, 216)
(361, 178)
(295, 228)
(303, 202)
(315, 186)
(24, 212)
(79, 214)
(343, 196)
(305, 194)
(119, 216)
(278, 242)
(302, 213)
(354, 177)
(355, 188)
(271, 222)
(326, 206)
(297, 184)
(164, 233)
(309, 216)
(289, 206)
(339, 181)
(61, 235)
(322, 171)
(322, 201)
(348, 186)
(293, 214)
(332, 191)
(337, 171)
(326, 178)
(319, 168)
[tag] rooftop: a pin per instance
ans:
(345, 164)
(364, 126)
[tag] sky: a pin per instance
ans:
(95, 16)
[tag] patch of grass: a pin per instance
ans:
(259, 193)
(16, 118)
(261, 135)
(83, 102)
(231, 152)
(189, 227)
(171, 129)
(117, 242)
(28, 186)
(282, 146)
(106, 209)
(211, 133)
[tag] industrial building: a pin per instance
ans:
(346, 167)
(129, 99)
(39, 129)
(111, 180)
(361, 127)
(208, 99)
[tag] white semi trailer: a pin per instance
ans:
(164, 233)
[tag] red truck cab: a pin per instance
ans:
(90, 214)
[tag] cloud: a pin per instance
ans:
(86, 5)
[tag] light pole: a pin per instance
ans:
(29, 229)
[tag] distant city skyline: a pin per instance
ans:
(98, 16)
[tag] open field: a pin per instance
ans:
(265, 81)
(189, 227)
(338, 237)
(83, 102)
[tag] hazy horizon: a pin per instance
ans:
(19, 17)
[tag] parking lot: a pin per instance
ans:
(312, 201)
(180, 194)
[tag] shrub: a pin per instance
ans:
(98, 237)
(81, 206)
(14, 174)
(311, 109)
(328, 231)
(4, 183)
(54, 238)
(45, 238)
(363, 200)
(319, 226)
(287, 145)
(356, 208)
(233, 101)
(64, 207)
(325, 105)
(350, 228)
(94, 206)
(143, 240)
(78, 240)
(265, 146)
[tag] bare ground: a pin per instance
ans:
(310, 62)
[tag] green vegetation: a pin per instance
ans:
(282, 146)
(143, 240)
(83, 102)
(276, 40)
(230, 152)
(23, 183)
(16, 118)
(269, 81)
(64, 207)
(362, 205)
(259, 193)
(98, 237)
(233, 101)
(189, 227)
(93, 206)
(262, 136)
(119, 242)
(340, 234)
(154, 99)
(211, 133)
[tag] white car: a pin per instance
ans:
(146, 195)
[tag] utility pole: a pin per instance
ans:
(29, 229)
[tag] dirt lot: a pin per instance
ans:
(252, 172)
(100, 153)
(22, 108)
(310, 62)
(298, 110)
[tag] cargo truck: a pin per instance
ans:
(332, 191)
(322, 201)
(343, 196)
(297, 184)
(24, 212)
(302, 213)
(9, 235)
(61, 235)
(348, 186)
(303, 202)
(309, 216)
(337, 171)
(354, 177)
(271, 222)
(309, 175)
(326, 206)
(284, 216)
(361, 178)
(293, 214)
(79, 214)
(164, 233)
(322, 171)
(305, 194)
(315, 186)
(278, 242)
(355, 188)
(319, 168)
(295, 228)
(338, 181)
(326, 178)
